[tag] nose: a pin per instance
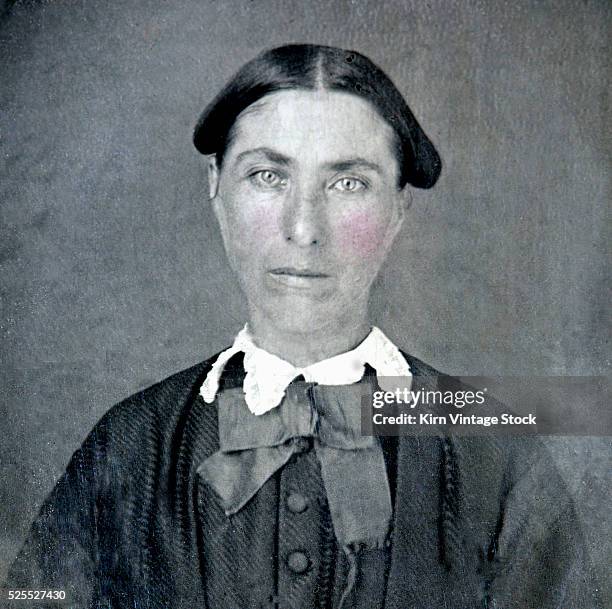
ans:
(304, 218)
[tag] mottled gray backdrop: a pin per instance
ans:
(112, 270)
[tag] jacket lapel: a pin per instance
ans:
(418, 578)
(236, 552)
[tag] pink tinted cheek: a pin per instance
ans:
(360, 234)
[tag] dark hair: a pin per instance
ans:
(309, 66)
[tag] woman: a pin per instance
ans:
(244, 482)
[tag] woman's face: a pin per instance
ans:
(308, 204)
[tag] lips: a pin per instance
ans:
(298, 272)
(299, 278)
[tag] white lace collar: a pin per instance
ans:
(267, 376)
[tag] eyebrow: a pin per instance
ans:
(281, 159)
(271, 155)
(355, 163)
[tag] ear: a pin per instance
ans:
(215, 199)
(405, 196)
(213, 176)
(402, 205)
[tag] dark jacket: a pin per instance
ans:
(478, 522)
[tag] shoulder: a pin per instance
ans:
(150, 419)
(497, 459)
(163, 399)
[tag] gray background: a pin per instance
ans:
(112, 270)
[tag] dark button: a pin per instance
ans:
(296, 503)
(298, 562)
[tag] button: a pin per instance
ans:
(297, 503)
(298, 562)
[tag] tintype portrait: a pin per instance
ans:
(228, 230)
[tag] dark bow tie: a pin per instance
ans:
(253, 448)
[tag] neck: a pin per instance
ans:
(304, 347)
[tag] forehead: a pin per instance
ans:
(321, 123)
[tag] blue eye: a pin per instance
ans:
(349, 185)
(266, 178)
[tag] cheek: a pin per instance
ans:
(256, 226)
(263, 222)
(361, 234)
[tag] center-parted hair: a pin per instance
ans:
(311, 67)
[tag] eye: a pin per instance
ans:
(267, 178)
(349, 185)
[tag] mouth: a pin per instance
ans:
(298, 272)
(298, 277)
